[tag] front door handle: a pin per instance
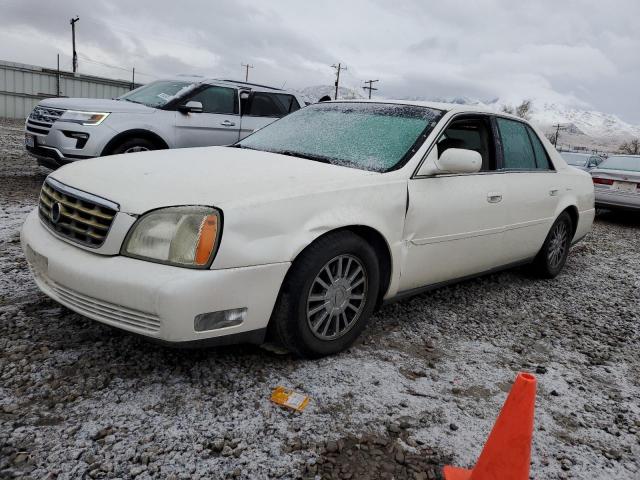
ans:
(227, 123)
(494, 197)
(554, 192)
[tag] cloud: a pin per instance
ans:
(579, 52)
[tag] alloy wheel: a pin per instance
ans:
(337, 297)
(135, 149)
(557, 245)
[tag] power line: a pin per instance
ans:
(115, 67)
(338, 68)
(246, 74)
(370, 87)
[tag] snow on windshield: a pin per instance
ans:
(158, 94)
(376, 137)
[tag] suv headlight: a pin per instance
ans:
(183, 236)
(83, 118)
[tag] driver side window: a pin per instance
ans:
(470, 133)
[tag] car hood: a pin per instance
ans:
(216, 176)
(96, 105)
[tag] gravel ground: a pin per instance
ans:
(421, 389)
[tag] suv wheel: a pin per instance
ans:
(134, 145)
(328, 296)
(553, 254)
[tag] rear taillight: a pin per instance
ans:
(603, 181)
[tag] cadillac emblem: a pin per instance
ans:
(56, 212)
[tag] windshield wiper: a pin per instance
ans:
(306, 156)
(132, 101)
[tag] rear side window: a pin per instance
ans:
(272, 104)
(516, 146)
(217, 100)
(542, 158)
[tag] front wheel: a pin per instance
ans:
(134, 145)
(555, 250)
(328, 296)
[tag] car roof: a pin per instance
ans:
(201, 79)
(448, 107)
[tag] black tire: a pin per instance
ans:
(555, 250)
(142, 144)
(289, 325)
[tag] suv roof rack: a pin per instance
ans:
(249, 83)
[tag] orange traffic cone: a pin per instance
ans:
(507, 453)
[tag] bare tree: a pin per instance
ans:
(523, 110)
(551, 137)
(631, 147)
(507, 109)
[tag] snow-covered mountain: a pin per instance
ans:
(589, 122)
(575, 121)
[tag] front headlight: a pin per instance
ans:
(183, 236)
(83, 118)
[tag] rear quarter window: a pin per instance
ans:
(542, 158)
(272, 104)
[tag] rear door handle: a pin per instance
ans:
(227, 123)
(553, 192)
(494, 197)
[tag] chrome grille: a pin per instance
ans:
(76, 215)
(42, 118)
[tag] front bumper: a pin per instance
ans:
(158, 301)
(54, 149)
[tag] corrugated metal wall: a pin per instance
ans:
(23, 86)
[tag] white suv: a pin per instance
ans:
(173, 113)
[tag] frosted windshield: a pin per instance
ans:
(369, 136)
(158, 94)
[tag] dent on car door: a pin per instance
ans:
(218, 124)
(533, 188)
(262, 108)
(455, 223)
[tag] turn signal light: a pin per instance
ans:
(207, 239)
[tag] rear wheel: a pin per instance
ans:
(328, 296)
(134, 145)
(553, 254)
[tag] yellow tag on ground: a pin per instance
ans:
(289, 398)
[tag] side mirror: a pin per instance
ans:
(191, 107)
(459, 160)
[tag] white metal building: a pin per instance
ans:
(23, 86)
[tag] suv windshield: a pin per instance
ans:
(158, 94)
(369, 136)
(631, 164)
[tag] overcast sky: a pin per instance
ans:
(585, 53)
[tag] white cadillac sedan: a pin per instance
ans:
(298, 232)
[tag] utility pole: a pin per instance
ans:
(133, 78)
(558, 129)
(246, 74)
(73, 36)
(338, 68)
(370, 87)
(58, 78)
